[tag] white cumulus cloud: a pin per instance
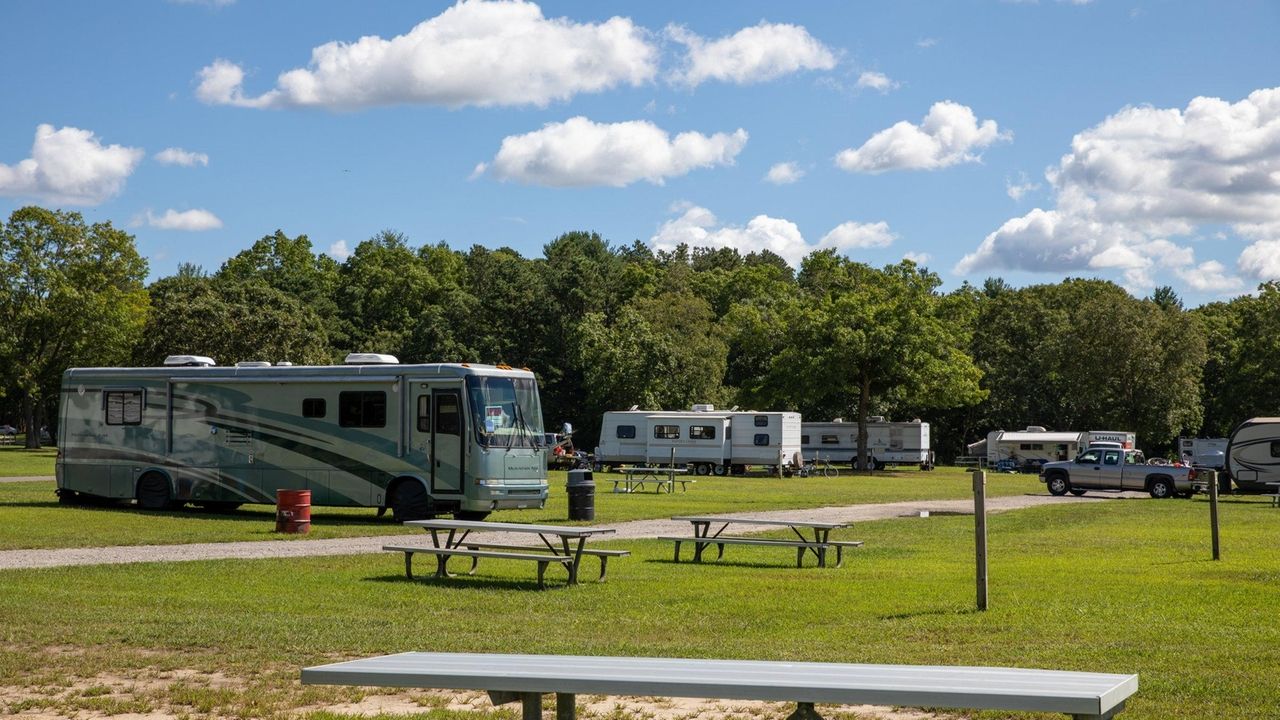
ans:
(784, 173)
(70, 166)
(178, 156)
(498, 53)
(699, 227)
(187, 220)
(948, 135)
(756, 54)
(579, 152)
(1146, 175)
(918, 258)
(339, 251)
(876, 81)
(1016, 190)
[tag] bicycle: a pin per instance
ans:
(819, 467)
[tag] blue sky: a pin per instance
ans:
(1131, 140)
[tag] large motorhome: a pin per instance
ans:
(707, 440)
(420, 440)
(1036, 444)
(1253, 454)
(888, 443)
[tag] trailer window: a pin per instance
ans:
(313, 408)
(762, 439)
(830, 440)
(702, 432)
(804, 439)
(362, 409)
(124, 407)
(1275, 448)
(762, 421)
(424, 413)
(666, 432)
(626, 432)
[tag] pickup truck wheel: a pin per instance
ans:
(1161, 488)
(1077, 491)
(1058, 485)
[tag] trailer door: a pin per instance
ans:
(448, 431)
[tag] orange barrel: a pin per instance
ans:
(293, 511)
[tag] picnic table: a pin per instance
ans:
(564, 546)
(524, 678)
(818, 544)
(661, 478)
(1274, 494)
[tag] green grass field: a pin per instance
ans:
(1116, 586)
(30, 516)
(17, 461)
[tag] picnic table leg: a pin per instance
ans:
(566, 706)
(577, 559)
(408, 565)
(677, 551)
(531, 706)
(800, 556)
(804, 711)
(442, 566)
(604, 562)
(542, 572)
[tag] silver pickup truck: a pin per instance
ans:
(1106, 468)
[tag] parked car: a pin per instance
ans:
(1108, 468)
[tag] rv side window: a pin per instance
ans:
(762, 438)
(666, 432)
(702, 432)
(448, 415)
(124, 407)
(1031, 446)
(313, 407)
(424, 413)
(362, 409)
(1275, 448)
(626, 432)
(762, 421)
(804, 439)
(830, 440)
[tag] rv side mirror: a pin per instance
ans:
(567, 429)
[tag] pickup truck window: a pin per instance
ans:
(1089, 457)
(1111, 457)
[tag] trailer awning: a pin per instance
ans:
(1039, 437)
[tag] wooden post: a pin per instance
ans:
(980, 533)
(671, 472)
(1213, 512)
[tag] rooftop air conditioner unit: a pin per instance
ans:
(876, 419)
(253, 363)
(1035, 428)
(704, 407)
(188, 361)
(371, 359)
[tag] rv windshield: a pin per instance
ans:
(505, 412)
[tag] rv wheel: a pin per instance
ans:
(410, 501)
(153, 492)
(719, 470)
(702, 469)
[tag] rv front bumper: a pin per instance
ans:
(508, 497)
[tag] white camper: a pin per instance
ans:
(1035, 444)
(1204, 452)
(888, 443)
(707, 440)
(1253, 454)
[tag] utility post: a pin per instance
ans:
(980, 533)
(1213, 512)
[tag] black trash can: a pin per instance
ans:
(582, 495)
(1224, 482)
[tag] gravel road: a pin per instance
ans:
(638, 529)
(27, 478)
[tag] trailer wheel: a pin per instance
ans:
(409, 501)
(154, 493)
(702, 469)
(719, 470)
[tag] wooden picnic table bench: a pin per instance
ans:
(661, 478)
(562, 546)
(525, 678)
(818, 544)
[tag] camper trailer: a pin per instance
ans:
(888, 443)
(1253, 454)
(1035, 445)
(707, 440)
(1209, 453)
(420, 440)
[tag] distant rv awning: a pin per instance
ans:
(1040, 437)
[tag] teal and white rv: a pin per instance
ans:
(419, 440)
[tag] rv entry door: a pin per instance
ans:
(447, 447)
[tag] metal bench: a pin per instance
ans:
(525, 678)
(444, 553)
(604, 555)
(819, 549)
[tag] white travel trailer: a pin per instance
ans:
(1035, 444)
(1204, 452)
(709, 441)
(888, 443)
(1253, 454)
(419, 440)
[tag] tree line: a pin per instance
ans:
(606, 326)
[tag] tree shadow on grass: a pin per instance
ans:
(930, 613)
(810, 563)
(462, 581)
(257, 514)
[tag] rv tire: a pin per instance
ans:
(409, 501)
(154, 493)
(720, 470)
(702, 469)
